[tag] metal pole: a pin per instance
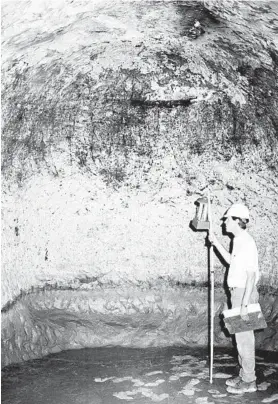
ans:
(211, 269)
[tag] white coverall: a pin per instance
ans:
(244, 258)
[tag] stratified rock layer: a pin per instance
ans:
(114, 123)
(52, 321)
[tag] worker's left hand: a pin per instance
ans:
(244, 313)
(212, 238)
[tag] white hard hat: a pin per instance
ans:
(238, 210)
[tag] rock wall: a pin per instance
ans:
(50, 321)
(114, 122)
(63, 230)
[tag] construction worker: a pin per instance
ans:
(242, 279)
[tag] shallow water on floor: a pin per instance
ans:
(117, 375)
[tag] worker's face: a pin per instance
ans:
(229, 225)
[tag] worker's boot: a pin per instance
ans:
(242, 387)
(232, 382)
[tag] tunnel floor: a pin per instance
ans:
(117, 375)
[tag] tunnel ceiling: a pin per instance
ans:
(106, 83)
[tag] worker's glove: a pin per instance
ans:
(212, 239)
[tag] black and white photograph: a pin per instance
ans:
(139, 226)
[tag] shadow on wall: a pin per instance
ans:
(52, 321)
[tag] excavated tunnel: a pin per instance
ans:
(116, 119)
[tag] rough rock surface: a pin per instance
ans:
(52, 321)
(115, 121)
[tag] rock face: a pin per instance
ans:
(114, 122)
(161, 315)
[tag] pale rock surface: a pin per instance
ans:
(114, 122)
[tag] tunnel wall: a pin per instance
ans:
(104, 153)
(86, 266)
(106, 145)
(51, 321)
(58, 231)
